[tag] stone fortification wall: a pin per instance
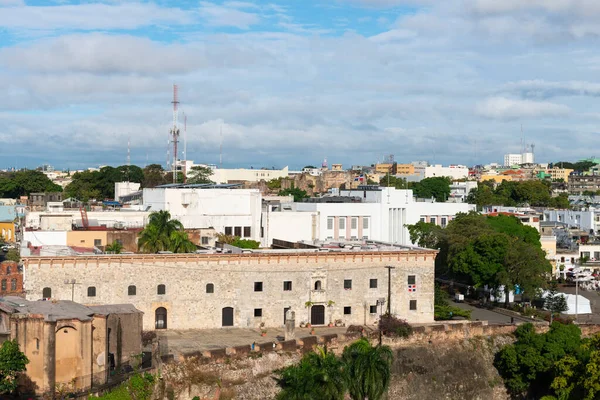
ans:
(191, 302)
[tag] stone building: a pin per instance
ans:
(200, 291)
(68, 343)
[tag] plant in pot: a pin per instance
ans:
(339, 322)
(330, 305)
(263, 331)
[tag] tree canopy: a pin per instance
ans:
(100, 184)
(435, 187)
(508, 193)
(154, 175)
(199, 174)
(494, 251)
(558, 363)
(24, 182)
(12, 363)
(580, 166)
(164, 234)
(298, 193)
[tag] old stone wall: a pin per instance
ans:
(251, 284)
(437, 361)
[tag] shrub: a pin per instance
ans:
(394, 327)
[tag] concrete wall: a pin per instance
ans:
(86, 238)
(50, 222)
(233, 277)
(290, 226)
(243, 174)
(125, 336)
(206, 208)
(45, 238)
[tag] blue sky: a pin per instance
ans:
(293, 82)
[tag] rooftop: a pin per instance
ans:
(55, 310)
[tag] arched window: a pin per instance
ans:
(3, 285)
(318, 285)
(8, 270)
(160, 321)
(210, 288)
(13, 284)
(46, 293)
(92, 291)
(161, 289)
(131, 290)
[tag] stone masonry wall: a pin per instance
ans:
(189, 306)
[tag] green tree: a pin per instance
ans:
(319, 375)
(100, 184)
(368, 368)
(164, 234)
(555, 302)
(274, 184)
(114, 248)
(154, 175)
(12, 363)
(25, 182)
(245, 243)
(436, 187)
(392, 181)
(298, 193)
(425, 234)
(199, 174)
(12, 255)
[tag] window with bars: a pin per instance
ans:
(287, 286)
(372, 283)
(258, 312)
(413, 305)
(237, 231)
(347, 283)
(347, 310)
(258, 286)
(91, 291)
(412, 279)
(373, 309)
(247, 231)
(228, 230)
(354, 223)
(330, 223)
(342, 222)
(365, 223)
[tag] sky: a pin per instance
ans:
(293, 82)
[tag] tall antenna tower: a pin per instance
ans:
(175, 132)
(128, 157)
(184, 148)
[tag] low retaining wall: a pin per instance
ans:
(336, 342)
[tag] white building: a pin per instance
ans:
(371, 213)
(526, 157)
(452, 171)
(230, 211)
(125, 188)
(459, 191)
(249, 175)
(588, 220)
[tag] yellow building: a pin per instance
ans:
(495, 178)
(383, 168)
(405, 169)
(87, 238)
(560, 173)
(7, 230)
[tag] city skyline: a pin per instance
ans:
(286, 82)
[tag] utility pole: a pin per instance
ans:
(72, 282)
(389, 299)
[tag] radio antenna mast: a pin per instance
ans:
(175, 132)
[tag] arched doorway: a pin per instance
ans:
(317, 315)
(160, 321)
(227, 316)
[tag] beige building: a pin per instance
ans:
(201, 291)
(405, 169)
(560, 173)
(68, 343)
(84, 238)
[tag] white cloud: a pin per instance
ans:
(217, 15)
(91, 16)
(388, 3)
(11, 3)
(544, 89)
(505, 108)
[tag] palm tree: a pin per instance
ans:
(114, 248)
(320, 375)
(368, 369)
(164, 234)
(180, 243)
(152, 240)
